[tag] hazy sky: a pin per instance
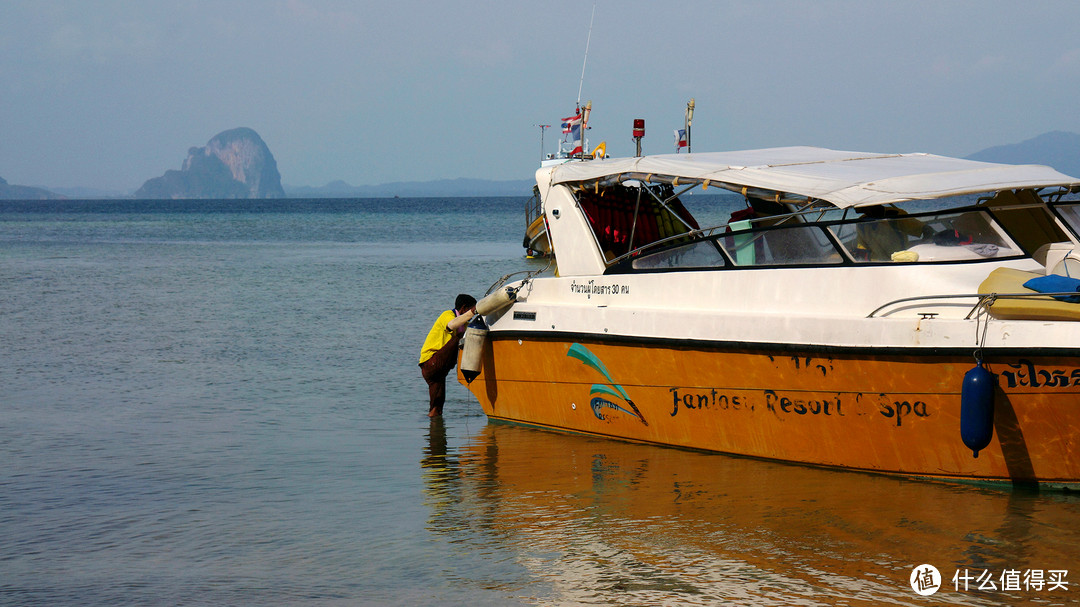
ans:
(107, 94)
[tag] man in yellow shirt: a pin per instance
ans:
(439, 352)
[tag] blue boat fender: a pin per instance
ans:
(977, 408)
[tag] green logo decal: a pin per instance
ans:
(601, 393)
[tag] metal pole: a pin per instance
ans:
(542, 127)
(689, 119)
(638, 133)
(585, 127)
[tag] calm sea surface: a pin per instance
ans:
(218, 403)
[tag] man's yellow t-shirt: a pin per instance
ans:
(438, 336)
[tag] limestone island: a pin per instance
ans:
(233, 164)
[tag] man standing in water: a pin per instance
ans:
(439, 353)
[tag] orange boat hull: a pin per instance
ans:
(892, 413)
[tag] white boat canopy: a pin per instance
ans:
(845, 179)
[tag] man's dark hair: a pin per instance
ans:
(464, 301)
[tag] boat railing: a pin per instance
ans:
(810, 214)
(687, 236)
(984, 300)
(722, 229)
(533, 209)
(824, 250)
(812, 238)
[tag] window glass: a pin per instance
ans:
(1071, 214)
(625, 218)
(944, 237)
(781, 246)
(701, 254)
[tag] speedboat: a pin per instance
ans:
(907, 314)
(536, 240)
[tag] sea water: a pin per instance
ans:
(218, 403)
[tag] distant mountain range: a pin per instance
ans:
(415, 189)
(24, 192)
(1058, 149)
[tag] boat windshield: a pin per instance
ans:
(1069, 212)
(887, 234)
(643, 226)
(877, 235)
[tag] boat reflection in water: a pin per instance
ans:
(569, 519)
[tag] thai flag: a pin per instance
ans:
(572, 128)
(680, 139)
(569, 123)
(575, 138)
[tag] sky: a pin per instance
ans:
(109, 93)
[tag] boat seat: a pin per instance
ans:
(1008, 280)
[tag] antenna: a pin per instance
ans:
(542, 128)
(587, 41)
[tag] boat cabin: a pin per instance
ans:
(634, 220)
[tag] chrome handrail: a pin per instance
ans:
(982, 297)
